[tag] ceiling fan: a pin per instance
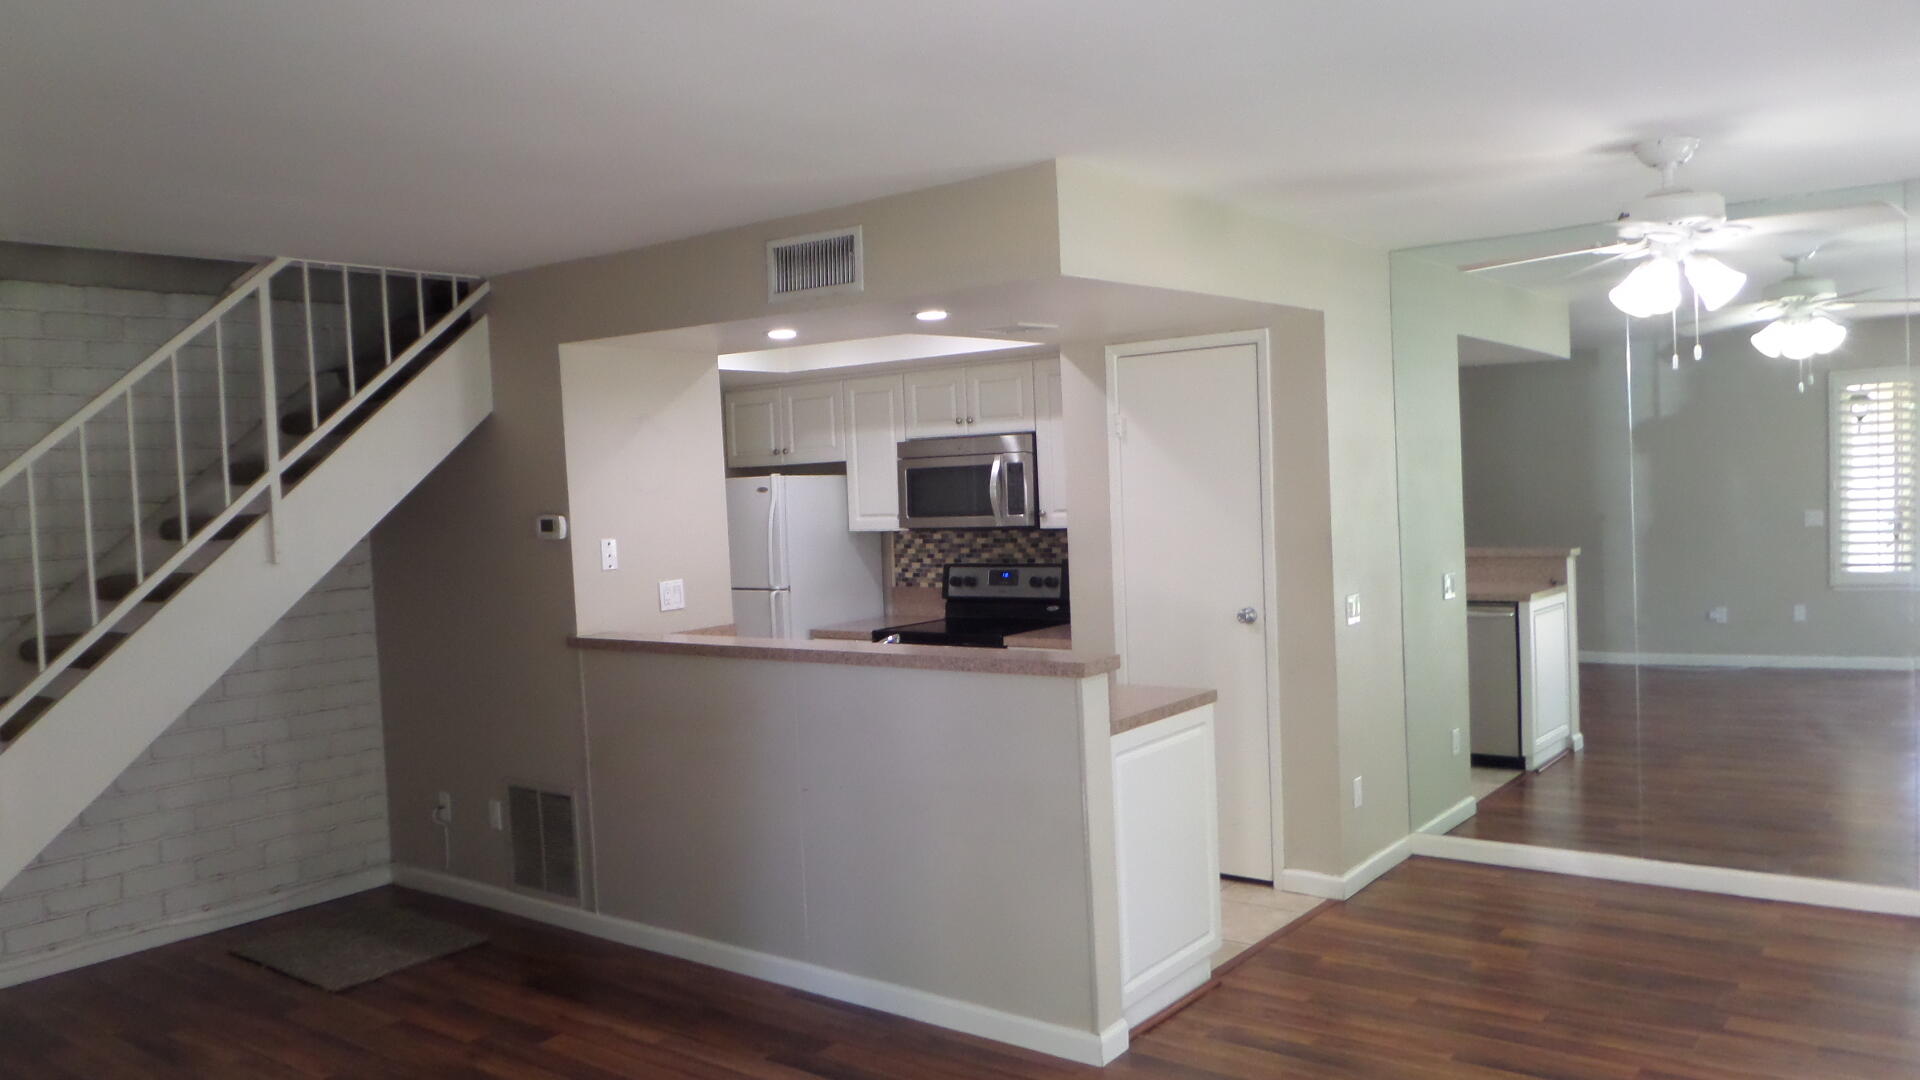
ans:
(1674, 231)
(1804, 314)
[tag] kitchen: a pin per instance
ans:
(714, 858)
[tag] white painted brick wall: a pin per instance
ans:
(274, 780)
(60, 345)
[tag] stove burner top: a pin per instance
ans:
(988, 633)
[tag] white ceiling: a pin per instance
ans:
(491, 134)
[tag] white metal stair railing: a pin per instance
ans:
(197, 528)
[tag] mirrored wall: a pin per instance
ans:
(1721, 468)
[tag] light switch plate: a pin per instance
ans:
(609, 554)
(1718, 614)
(1353, 609)
(1447, 588)
(1799, 613)
(673, 595)
(1357, 794)
(1456, 742)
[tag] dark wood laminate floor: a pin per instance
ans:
(1790, 772)
(1438, 970)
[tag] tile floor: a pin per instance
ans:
(1486, 780)
(1249, 912)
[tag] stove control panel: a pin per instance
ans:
(1006, 581)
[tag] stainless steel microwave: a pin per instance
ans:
(972, 481)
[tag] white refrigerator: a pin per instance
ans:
(796, 563)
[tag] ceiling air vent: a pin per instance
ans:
(816, 264)
(545, 848)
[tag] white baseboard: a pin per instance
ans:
(1450, 818)
(1085, 1047)
(1345, 886)
(1186, 982)
(181, 927)
(1735, 660)
(1820, 892)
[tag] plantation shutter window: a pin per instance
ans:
(1871, 422)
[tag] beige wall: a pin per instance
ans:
(645, 466)
(1335, 495)
(474, 609)
(1435, 306)
(1726, 458)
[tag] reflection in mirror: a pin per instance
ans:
(1735, 470)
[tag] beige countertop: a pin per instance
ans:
(1053, 637)
(1061, 663)
(1138, 706)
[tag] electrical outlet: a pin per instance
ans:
(609, 554)
(1456, 742)
(1799, 613)
(1816, 519)
(1447, 590)
(1353, 609)
(673, 595)
(1718, 614)
(1357, 800)
(496, 815)
(443, 809)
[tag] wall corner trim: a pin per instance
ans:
(1450, 818)
(196, 924)
(1084, 1047)
(1346, 886)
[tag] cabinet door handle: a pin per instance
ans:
(969, 419)
(957, 421)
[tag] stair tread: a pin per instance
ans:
(119, 586)
(170, 527)
(58, 643)
(19, 722)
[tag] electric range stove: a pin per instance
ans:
(988, 603)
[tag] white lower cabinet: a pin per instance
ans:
(1547, 668)
(1167, 854)
(875, 411)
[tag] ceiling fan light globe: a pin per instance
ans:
(1768, 340)
(1713, 281)
(1825, 335)
(1652, 289)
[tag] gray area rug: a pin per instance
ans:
(357, 947)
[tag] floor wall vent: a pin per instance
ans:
(546, 852)
(815, 264)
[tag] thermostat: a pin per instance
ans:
(550, 526)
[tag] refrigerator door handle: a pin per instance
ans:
(773, 613)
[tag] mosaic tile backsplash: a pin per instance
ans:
(920, 554)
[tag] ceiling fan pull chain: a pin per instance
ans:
(1698, 352)
(1674, 317)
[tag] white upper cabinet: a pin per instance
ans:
(815, 431)
(1049, 444)
(876, 422)
(936, 403)
(756, 425)
(785, 425)
(1000, 398)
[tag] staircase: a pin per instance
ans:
(177, 516)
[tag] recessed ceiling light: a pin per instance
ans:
(932, 314)
(783, 333)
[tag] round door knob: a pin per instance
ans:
(957, 421)
(969, 419)
(1246, 615)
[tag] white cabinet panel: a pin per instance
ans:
(755, 427)
(1166, 857)
(1049, 443)
(1000, 398)
(1546, 678)
(936, 403)
(876, 422)
(814, 429)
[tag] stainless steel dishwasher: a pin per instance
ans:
(1493, 683)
